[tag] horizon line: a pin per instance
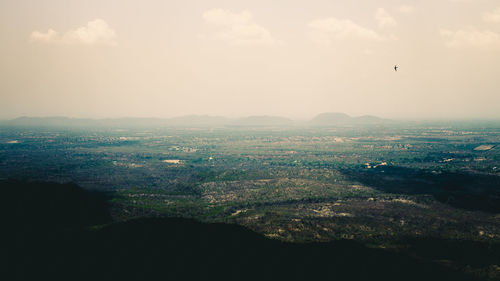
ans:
(453, 118)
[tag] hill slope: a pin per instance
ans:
(42, 244)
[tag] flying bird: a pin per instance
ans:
(396, 67)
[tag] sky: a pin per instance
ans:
(152, 58)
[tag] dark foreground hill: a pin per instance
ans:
(42, 243)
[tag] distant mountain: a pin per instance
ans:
(335, 118)
(330, 118)
(182, 121)
(323, 119)
(368, 119)
(198, 120)
(48, 121)
(262, 121)
(192, 120)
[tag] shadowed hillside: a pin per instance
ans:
(59, 244)
(461, 190)
(49, 205)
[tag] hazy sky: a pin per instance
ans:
(98, 58)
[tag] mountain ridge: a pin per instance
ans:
(322, 119)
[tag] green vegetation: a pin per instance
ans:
(379, 184)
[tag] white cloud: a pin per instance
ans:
(224, 17)
(384, 19)
(493, 16)
(406, 9)
(48, 36)
(96, 32)
(325, 31)
(238, 29)
(471, 38)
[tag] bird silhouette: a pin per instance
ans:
(396, 67)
